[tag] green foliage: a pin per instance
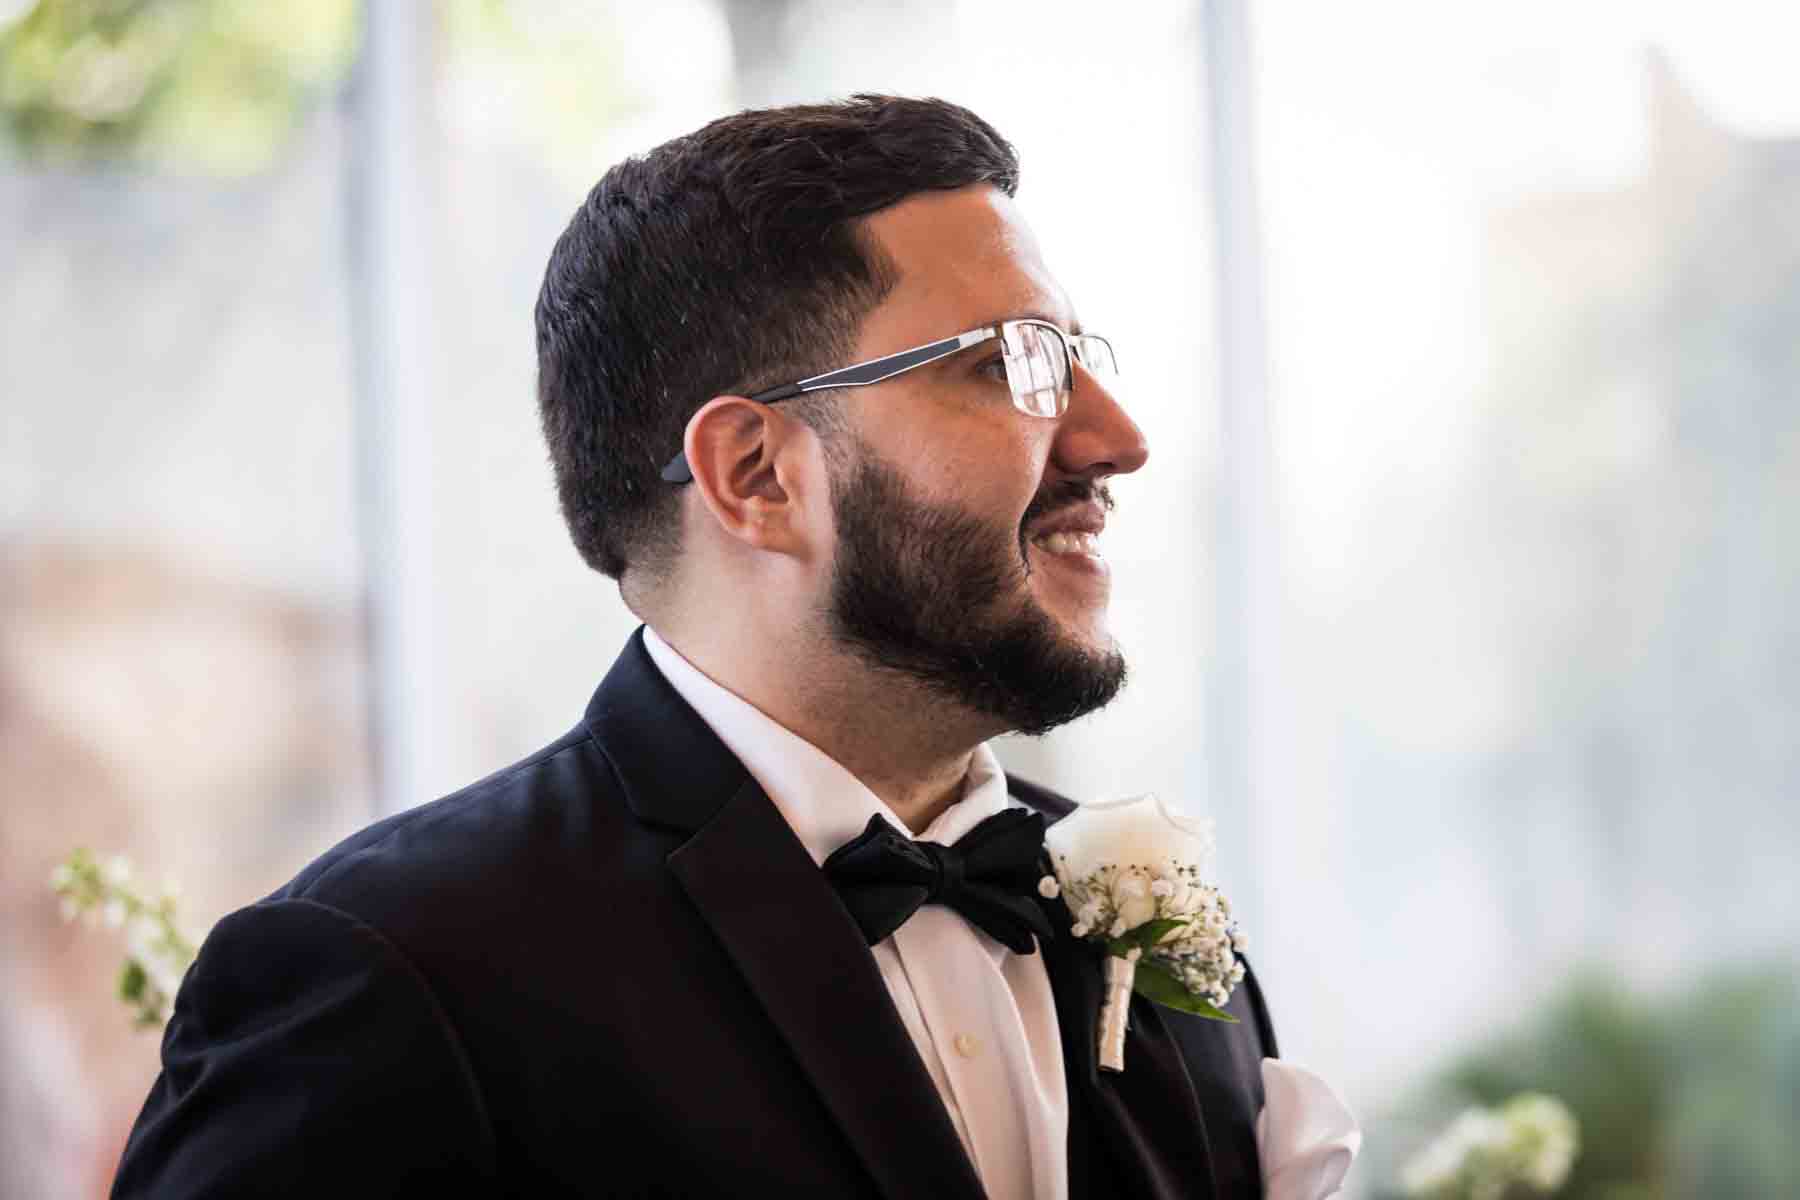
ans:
(157, 954)
(1145, 936)
(133, 979)
(1154, 982)
(1604, 1054)
(209, 85)
(552, 75)
(1694, 1095)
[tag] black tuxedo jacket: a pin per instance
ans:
(612, 969)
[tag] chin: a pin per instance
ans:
(1088, 626)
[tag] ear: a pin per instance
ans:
(751, 470)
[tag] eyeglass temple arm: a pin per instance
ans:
(861, 375)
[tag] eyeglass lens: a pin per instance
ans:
(1096, 354)
(1037, 367)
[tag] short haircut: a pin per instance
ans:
(726, 261)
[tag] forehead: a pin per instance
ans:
(966, 257)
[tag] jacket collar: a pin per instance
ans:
(803, 958)
(676, 772)
(778, 919)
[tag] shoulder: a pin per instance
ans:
(506, 849)
(288, 999)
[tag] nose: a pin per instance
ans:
(1095, 436)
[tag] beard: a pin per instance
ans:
(938, 595)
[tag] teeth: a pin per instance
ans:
(1069, 543)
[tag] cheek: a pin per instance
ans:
(988, 464)
(999, 474)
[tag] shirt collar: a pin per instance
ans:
(823, 803)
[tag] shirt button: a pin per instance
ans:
(966, 1045)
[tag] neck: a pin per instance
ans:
(906, 745)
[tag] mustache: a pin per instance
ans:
(1065, 494)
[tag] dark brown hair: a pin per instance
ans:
(722, 262)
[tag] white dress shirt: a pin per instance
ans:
(983, 1018)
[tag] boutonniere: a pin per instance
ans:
(1133, 876)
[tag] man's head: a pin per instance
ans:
(900, 521)
(724, 261)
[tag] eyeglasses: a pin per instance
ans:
(1037, 356)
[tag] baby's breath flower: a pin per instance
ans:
(118, 871)
(157, 954)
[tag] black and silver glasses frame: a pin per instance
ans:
(1090, 350)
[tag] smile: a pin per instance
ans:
(1069, 543)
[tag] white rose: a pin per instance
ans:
(1140, 831)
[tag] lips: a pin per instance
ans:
(1089, 519)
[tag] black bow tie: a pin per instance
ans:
(990, 876)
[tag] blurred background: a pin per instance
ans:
(1463, 588)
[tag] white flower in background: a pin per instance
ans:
(157, 955)
(1529, 1143)
(1130, 872)
(1474, 1133)
(163, 960)
(1546, 1135)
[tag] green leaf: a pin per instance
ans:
(1142, 937)
(1155, 982)
(1151, 932)
(132, 981)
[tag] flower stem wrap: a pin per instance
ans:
(1115, 1012)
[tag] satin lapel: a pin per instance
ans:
(806, 962)
(1143, 1130)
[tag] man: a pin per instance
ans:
(814, 400)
